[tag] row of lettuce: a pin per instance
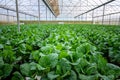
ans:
(60, 52)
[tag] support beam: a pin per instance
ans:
(86, 17)
(13, 18)
(50, 17)
(30, 18)
(46, 13)
(103, 15)
(109, 19)
(119, 21)
(7, 16)
(4, 7)
(96, 7)
(17, 14)
(93, 17)
(34, 18)
(107, 14)
(39, 12)
(25, 17)
(81, 17)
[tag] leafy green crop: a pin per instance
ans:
(60, 52)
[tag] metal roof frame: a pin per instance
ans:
(106, 14)
(3, 7)
(95, 8)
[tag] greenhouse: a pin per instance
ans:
(59, 39)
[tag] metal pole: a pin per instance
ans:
(39, 11)
(98, 21)
(93, 17)
(86, 16)
(73, 18)
(103, 14)
(25, 17)
(7, 16)
(17, 13)
(50, 17)
(13, 19)
(30, 18)
(109, 19)
(46, 13)
(116, 20)
(81, 18)
(119, 21)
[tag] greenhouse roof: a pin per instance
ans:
(67, 8)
